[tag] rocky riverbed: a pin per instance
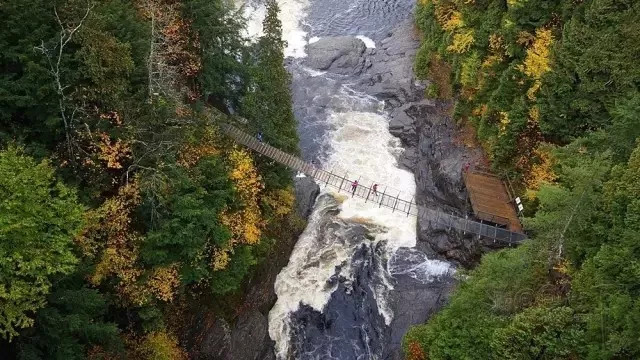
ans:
(352, 323)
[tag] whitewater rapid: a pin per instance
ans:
(354, 140)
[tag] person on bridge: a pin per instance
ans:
(354, 186)
(375, 189)
(259, 136)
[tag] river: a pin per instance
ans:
(355, 280)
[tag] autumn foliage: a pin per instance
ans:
(136, 204)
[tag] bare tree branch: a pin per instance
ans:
(66, 35)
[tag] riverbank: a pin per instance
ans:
(413, 293)
(239, 329)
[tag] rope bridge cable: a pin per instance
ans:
(393, 200)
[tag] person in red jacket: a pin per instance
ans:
(354, 186)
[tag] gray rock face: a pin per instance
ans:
(216, 342)
(390, 76)
(250, 338)
(437, 161)
(342, 54)
(306, 193)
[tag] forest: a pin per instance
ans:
(120, 202)
(551, 91)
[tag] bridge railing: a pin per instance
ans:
(394, 201)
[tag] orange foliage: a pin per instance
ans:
(175, 55)
(541, 171)
(415, 352)
(113, 117)
(528, 143)
(109, 237)
(113, 152)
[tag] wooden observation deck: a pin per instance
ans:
(491, 200)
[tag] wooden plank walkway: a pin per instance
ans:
(395, 203)
(490, 199)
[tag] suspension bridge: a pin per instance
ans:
(379, 198)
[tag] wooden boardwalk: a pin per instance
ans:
(395, 203)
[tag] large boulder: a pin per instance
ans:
(342, 54)
(390, 76)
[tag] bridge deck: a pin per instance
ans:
(395, 203)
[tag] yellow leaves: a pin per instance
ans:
(281, 201)
(450, 19)
(541, 170)
(444, 12)
(245, 224)
(534, 114)
(454, 21)
(504, 122)
(164, 281)
(220, 259)
(244, 174)
(537, 61)
(109, 237)
(160, 345)
(531, 92)
(113, 152)
(462, 41)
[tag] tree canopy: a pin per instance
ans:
(120, 200)
(551, 88)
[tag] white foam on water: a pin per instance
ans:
(367, 41)
(362, 144)
(314, 39)
(313, 72)
(313, 261)
(292, 14)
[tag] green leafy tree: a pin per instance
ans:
(39, 216)
(539, 333)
